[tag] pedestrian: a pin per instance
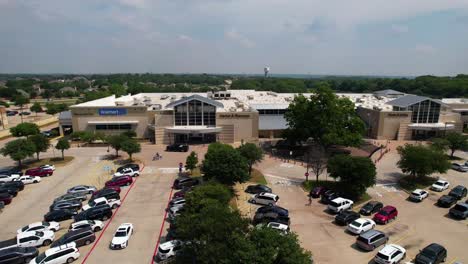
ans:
(310, 200)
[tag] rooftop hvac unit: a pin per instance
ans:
(146, 98)
(119, 103)
(209, 94)
(232, 109)
(250, 97)
(272, 93)
(164, 96)
(156, 107)
(377, 108)
(288, 99)
(173, 97)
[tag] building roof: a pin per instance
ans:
(387, 92)
(410, 99)
(196, 97)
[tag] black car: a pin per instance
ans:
(69, 205)
(270, 217)
(10, 190)
(458, 192)
(275, 209)
(446, 201)
(328, 196)
(18, 255)
(81, 237)
(133, 166)
(432, 254)
(184, 182)
(59, 215)
(16, 184)
(259, 188)
(100, 212)
(371, 208)
(107, 193)
(177, 148)
(10, 171)
(11, 113)
(24, 113)
(346, 217)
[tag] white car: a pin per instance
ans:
(48, 167)
(361, 225)
(26, 179)
(35, 238)
(459, 167)
(8, 178)
(340, 204)
(418, 195)
(95, 225)
(113, 203)
(121, 236)
(440, 185)
(390, 254)
(168, 249)
(40, 226)
(278, 226)
(127, 171)
(58, 255)
(264, 198)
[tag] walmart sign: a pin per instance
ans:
(112, 111)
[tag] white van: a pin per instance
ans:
(265, 198)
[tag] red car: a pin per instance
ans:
(41, 172)
(120, 181)
(386, 214)
(318, 191)
(5, 198)
(115, 188)
(182, 193)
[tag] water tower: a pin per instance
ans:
(266, 70)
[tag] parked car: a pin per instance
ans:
(346, 217)
(8, 178)
(275, 209)
(40, 226)
(113, 203)
(59, 215)
(10, 190)
(168, 250)
(270, 217)
(328, 196)
(101, 212)
(176, 201)
(386, 214)
(29, 239)
(446, 201)
(83, 189)
(24, 113)
(11, 113)
(371, 239)
(432, 254)
(81, 237)
(41, 172)
(258, 188)
(390, 254)
(95, 225)
(418, 195)
(47, 167)
(107, 193)
(11, 171)
(13, 184)
(73, 205)
(29, 179)
(184, 182)
(58, 255)
(120, 181)
(121, 236)
(459, 211)
(440, 185)
(175, 211)
(181, 193)
(458, 192)
(265, 199)
(317, 191)
(18, 255)
(371, 207)
(132, 166)
(177, 148)
(117, 189)
(459, 167)
(279, 226)
(361, 225)
(6, 198)
(71, 197)
(127, 171)
(340, 204)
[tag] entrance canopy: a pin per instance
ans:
(113, 122)
(193, 129)
(431, 126)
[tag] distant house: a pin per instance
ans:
(37, 88)
(67, 89)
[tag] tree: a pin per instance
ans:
(25, 130)
(317, 161)
(129, 133)
(18, 150)
(456, 141)
(209, 191)
(41, 143)
(325, 118)
(191, 161)
(36, 107)
(251, 153)
(440, 144)
(225, 164)
(420, 161)
(355, 174)
(131, 146)
(21, 101)
(115, 141)
(62, 145)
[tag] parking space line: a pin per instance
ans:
(112, 218)
(404, 237)
(452, 261)
(162, 227)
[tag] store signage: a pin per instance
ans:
(234, 115)
(112, 111)
(397, 115)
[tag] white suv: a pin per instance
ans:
(168, 249)
(95, 225)
(340, 204)
(390, 254)
(418, 195)
(265, 199)
(58, 255)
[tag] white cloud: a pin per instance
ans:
(399, 28)
(425, 48)
(184, 38)
(239, 38)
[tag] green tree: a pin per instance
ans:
(41, 143)
(62, 145)
(20, 101)
(115, 141)
(456, 141)
(191, 161)
(209, 191)
(251, 153)
(36, 107)
(355, 174)
(131, 146)
(420, 161)
(129, 134)
(325, 118)
(24, 130)
(18, 150)
(51, 108)
(225, 164)
(440, 144)
(88, 137)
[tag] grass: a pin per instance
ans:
(58, 162)
(309, 185)
(196, 173)
(409, 183)
(258, 177)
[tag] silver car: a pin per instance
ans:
(84, 189)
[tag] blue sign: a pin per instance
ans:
(112, 111)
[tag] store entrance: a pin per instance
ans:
(195, 138)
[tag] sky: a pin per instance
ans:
(332, 37)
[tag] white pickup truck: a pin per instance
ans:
(127, 171)
(29, 239)
(113, 203)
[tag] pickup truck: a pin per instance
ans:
(113, 203)
(127, 171)
(41, 172)
(29, 239)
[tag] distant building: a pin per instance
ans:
(68, 89)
